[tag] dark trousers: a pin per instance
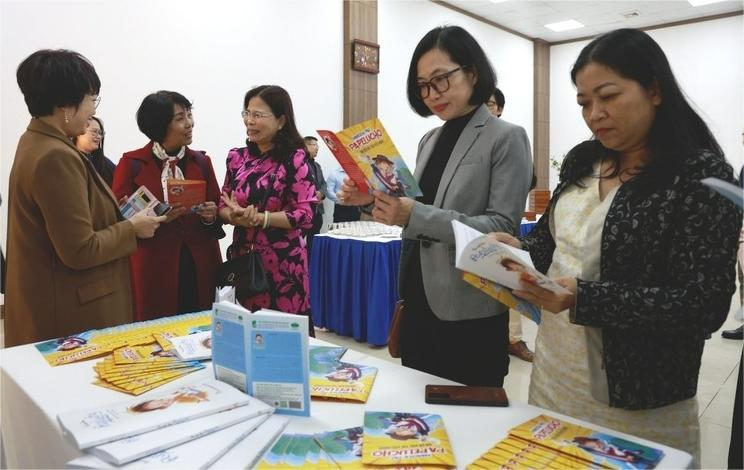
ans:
(346, 213)
(735, 457)
(472, 352)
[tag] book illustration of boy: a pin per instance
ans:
(345, 373)
(70, 342)
(610, 450)
(513, 266)
(385, 172)
(258, 341)
(355, 437)
(329, 143)
(181, 396)
(162, 353)
(207, 342)
(404, 426)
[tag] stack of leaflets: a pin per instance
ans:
(547, 442)
(194, 425)
(365, 228)
(96, 343)
(138, 369)
(495, 268)
(335, 449)
(333, 379)
(368, 155)
(405, 439)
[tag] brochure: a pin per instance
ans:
(277, 360)
(584, 444)
(483, 256)
(343, 381)
(230, 322)
(194, 347)
(248, 451)
(296, 451)
(731, 191)
(136, 447)
(264, 353)
(405, 439)
(188, 193)
(367, 154)
(325, 356)
(93, 427)
(95, 343)
(343, 447)
(143, 199)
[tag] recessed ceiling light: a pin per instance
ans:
(564, 25)
(699, 3)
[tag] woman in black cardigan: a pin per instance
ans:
(646, 250)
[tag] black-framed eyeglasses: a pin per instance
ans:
(440, 83)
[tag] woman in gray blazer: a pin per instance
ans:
(475, 169)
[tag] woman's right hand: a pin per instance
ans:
(145, 225)
(350, 195)
(504, 237)
(237, 215)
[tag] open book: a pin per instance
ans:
(730, 191)
(498, 262)
(368, 155)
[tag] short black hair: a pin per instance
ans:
(52, 79)
(499, 95)
(465, 51)
(287, 139)
(156, 112)
(309, 137)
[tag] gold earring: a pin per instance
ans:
(67, 120)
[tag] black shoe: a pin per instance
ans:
(738, 333)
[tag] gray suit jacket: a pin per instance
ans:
(484, 185)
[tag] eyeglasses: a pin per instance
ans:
(96, 102)
(440, 83)
(255, 115)
(96, 132)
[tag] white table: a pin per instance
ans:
(34, 393)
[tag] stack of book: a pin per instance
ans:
(547, 442)
(139, 356)
(387, 439)
(332, 379)
(198, 426)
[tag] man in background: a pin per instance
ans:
(311, 143)
(341, 213)
(517, 347)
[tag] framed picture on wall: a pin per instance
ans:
(365, 56)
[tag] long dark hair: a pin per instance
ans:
(287, 139)
(677, 129)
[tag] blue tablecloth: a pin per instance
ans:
(354, 286)
(526, 227)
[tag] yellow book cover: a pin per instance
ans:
(141, 354)
(94, 343)
(368, 155)
(503, 295)
(344, 381)
(405, 439)
(593, 447)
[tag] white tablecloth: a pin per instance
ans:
(34, 393)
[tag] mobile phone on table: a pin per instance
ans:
(464, 395)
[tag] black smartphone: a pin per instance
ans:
(161, 208)
(464, 395)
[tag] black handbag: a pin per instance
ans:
(245, 272)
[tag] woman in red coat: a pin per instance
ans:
(165, 277)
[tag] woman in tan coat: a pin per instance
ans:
(68, 245)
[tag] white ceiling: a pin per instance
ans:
(528, 17)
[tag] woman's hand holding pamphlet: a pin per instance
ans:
(495, 267)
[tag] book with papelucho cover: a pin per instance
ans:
(188, 193)
(581, 443)
(95, 343)
(96, 426)
(367, 154)
(405, 439)
(344, 381)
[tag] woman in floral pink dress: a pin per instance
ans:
(272, 168)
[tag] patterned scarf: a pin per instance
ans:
(170, 166)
